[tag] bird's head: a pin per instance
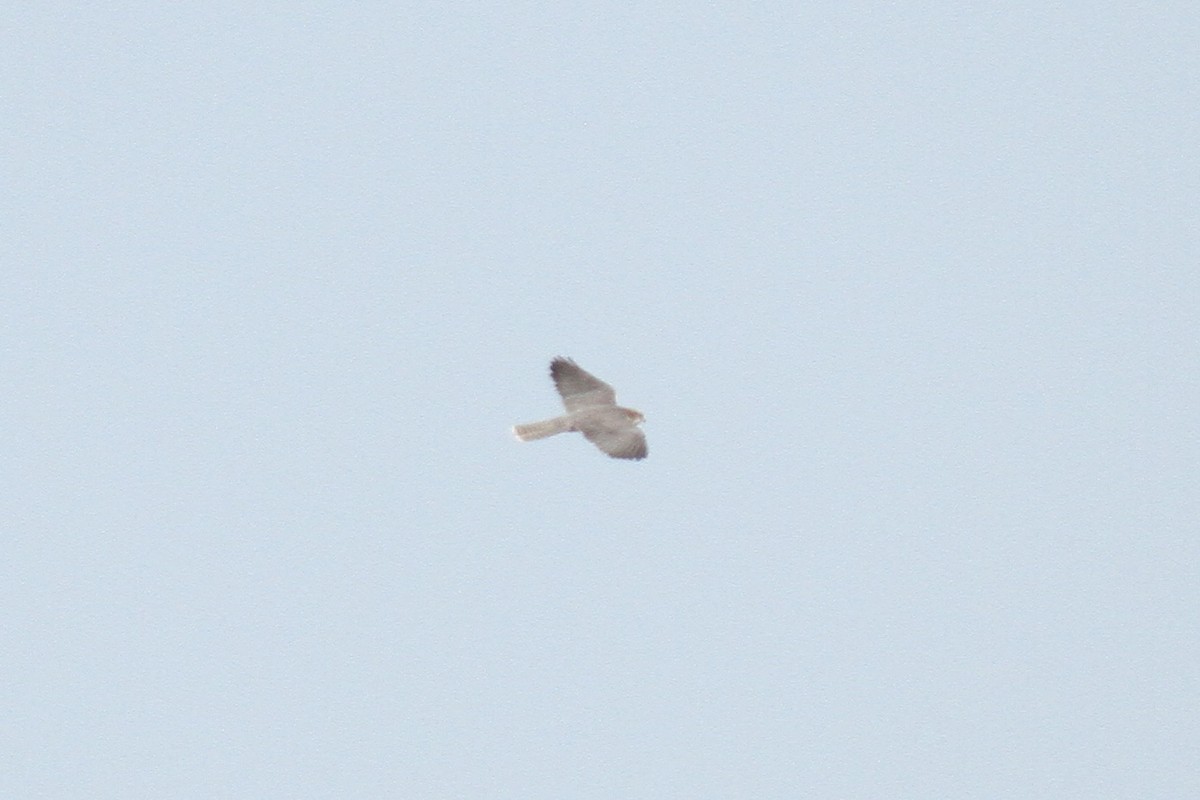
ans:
(635, 416)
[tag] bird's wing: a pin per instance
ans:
(627, 443)
(613, 431)
(579, 388)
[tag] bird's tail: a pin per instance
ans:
(540, 430)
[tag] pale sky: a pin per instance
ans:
(908, 294)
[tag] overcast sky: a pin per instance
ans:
(908, 294)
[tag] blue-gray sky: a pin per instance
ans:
(907, 292)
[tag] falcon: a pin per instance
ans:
(593, 411)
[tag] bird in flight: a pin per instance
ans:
(593, 411)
